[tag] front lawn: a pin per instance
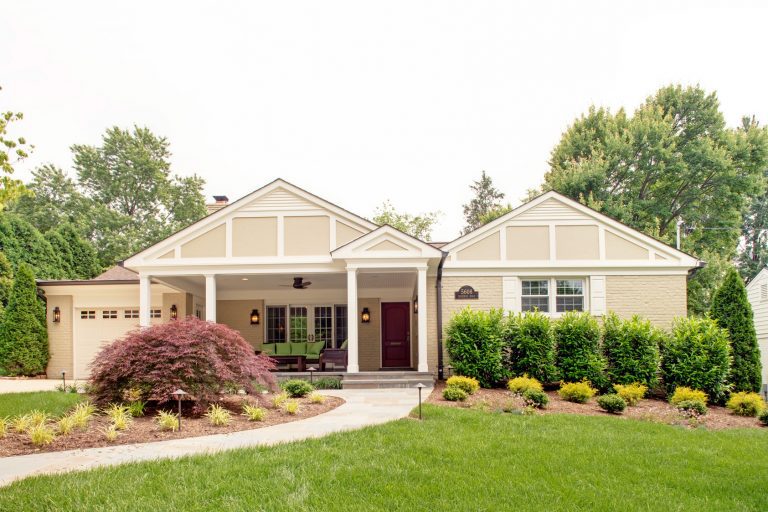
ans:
(456, 459)
(55, 403)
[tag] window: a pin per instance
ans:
(275, 324)
(570, 295)
(340, 313)
(155, 313)
(535, 295)
(109, 314)
(131, 313)
(87, 315)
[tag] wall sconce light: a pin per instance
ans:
(174, 312)
(255, 317)
(365, 316)
(416, 306)
(56, 315)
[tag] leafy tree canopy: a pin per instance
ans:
(485, 203)
(12, 150)
(419, 226)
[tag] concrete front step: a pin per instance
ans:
(395, 379)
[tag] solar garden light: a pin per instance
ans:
(178, 394)
(420, 386)
(311, 371)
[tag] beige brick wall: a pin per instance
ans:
(237, 315)
(368, 335)
(60, 337)
(490, 291)
(661, 299)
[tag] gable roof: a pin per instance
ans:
(386, 241)
(585, 211)
(214, 219)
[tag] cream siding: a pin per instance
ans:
(345, 234)
(237, 315)
(305, 236)
(528, 242)
(254, 236)
(757, 293)
(386, 245)
(60, 337)
(170, 254)
(485, 249)
(368, 335)
(618, 248)
(661, 299)
(208, 245)
(577, 243)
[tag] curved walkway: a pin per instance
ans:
(363, 407)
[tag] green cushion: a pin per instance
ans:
(268, 348)
(298, 349)
(314, 349)
(282, 349)
(344, 345)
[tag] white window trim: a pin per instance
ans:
(553, 313)
(310, 315)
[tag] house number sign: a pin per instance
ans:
(466, 292)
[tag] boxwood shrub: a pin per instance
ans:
(577, 337)
(529, 346)
(697, 355)
(535, 398)
(612, 403)
(454, 394)
(297, 388)
(474, 344)
(631, 349)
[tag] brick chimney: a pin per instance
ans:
(220, 202)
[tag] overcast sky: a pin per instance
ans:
(362, 101)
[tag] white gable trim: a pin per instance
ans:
(615, 226)
(234, 209)
(360, 248)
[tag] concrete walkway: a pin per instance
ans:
(363, 407)
(24, 385)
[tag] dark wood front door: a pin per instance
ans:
(395, 335)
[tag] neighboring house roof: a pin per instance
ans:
(752, 282)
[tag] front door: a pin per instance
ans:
(395, 335)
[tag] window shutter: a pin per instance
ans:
(510, 294)
(597, 295)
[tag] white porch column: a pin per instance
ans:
(352, 321)
(422, 322)
(145, 300)
(210, 298)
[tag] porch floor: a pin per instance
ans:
(366, 380)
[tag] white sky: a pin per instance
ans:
(360, 101)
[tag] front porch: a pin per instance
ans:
(365, 380)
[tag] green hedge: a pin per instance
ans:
(631, 349)
(530, 346)
(577, 337)
(474, 344)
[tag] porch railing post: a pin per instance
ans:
(352, 321)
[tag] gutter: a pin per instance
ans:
(439, 303)
(695, 270)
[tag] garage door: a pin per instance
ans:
(96, 328)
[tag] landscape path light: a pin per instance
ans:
(179, 393)
(420, 386)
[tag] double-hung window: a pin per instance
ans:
(537, 295)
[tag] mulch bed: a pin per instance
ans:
(657, 411)
(146, 430)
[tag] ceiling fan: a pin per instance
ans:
(299, 283)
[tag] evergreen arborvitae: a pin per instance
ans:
(733, 312)
(85, 260)
(23, 337)
(6, 279)
(61, 247)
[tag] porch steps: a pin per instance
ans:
(386, 379)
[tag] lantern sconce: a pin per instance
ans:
(365, 316)
(174, 312)
(56, 315)
(255, 319)
(416, 306)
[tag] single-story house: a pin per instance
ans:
(381, 294)
(757, 294)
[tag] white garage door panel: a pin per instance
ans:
(91, 335)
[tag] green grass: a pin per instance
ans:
(54, 403)
(454, 460)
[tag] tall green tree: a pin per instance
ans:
(85, 260)
(674, 158)
(12, 150)
(419, 226)
(754, 231)
(733, 312)
(6, 280)
(62, 249)
(23, 243)
(23, 336)
(486, 200)
(494, 214)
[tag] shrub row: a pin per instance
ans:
(491, 348)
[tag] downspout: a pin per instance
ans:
(439, 317)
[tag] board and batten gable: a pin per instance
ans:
(757, 294)
(554, 238)
(278, 223)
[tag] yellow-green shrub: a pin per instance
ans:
(631, 393)
(21, 423)
(218, 416)
(454, 394)
(291, 407)
(578, 392)
(3, 427)
(41, 435)
(253, 413)
(110, 433)
(746, 404)
(279, 399)
(37, 418)
(520, 385)
(468, 384)
(167, 421)
(316, 398)
(66, 424)
(683, 394)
